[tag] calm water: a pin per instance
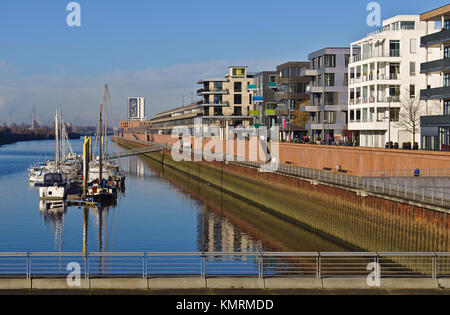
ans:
(158, 212)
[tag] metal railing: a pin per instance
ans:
(434, 172)
(432, 196)
(251, 264)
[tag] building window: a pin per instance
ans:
(430, 143)
(394, 48)
(217, 99)
(447, 79)
(319, 62)
(250, 99)
(314, 63)
(238, 87)
(218, 86)
(447, 108)
(237, 111)
(447, 24)
(412, 91)
(329, 79)
(408, 25)
(412, 45)
(238, 99)
(330, 61)
(347, 60)
(444, 138)
(217, 111)
(395, 114)
(447, 52)
(412, 68)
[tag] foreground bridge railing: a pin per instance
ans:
(196, 264)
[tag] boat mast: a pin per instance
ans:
(57, 141)
(106, 101)
(100, 145)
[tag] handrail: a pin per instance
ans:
(203, 264)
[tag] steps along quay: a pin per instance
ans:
(352, 213)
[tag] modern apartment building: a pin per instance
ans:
(264, 103)
(228, 101)
(291, 94)
(384, 80)
(328, 90)
(436, 128)
(136, 109)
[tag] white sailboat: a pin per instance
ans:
(56, 183)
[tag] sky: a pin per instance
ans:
(159, 49)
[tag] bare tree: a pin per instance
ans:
(409, 117)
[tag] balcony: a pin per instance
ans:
(375, 54)
(221, 104)
(273, 85)
(435, 39)
(286, 96)
(435, 66)
(435, 121)
(211, 92)
(435, 94)
(326, 126)
(309, 72)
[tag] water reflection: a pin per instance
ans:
(53, 214)
(217, 234)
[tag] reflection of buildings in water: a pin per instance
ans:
(132, 165)
(53, 214)
(136, 166)
(140, 168)
(216, 234)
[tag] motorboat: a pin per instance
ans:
(54, 187)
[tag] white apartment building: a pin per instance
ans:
(136, 109)
(384, 78)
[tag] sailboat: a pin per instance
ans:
(56, 182)
(101, 189)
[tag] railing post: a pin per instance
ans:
(434, 266)
(144, 267)
(319, 266)
(202, 266)
(261, 265)
(86, 273)
(28, 267)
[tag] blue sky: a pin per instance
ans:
(159, 49)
